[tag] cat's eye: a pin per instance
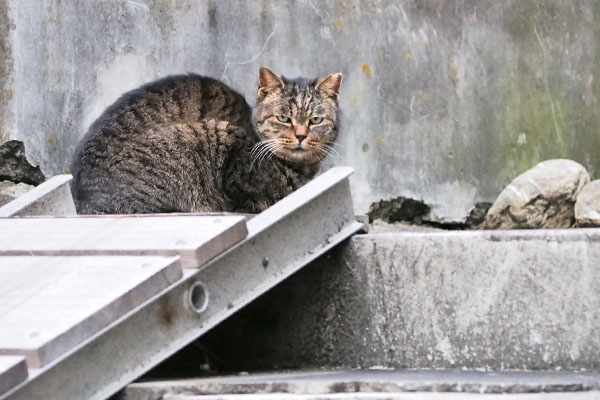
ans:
(316, 120)
(283, 118)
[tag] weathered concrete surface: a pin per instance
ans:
(443, 101)
(393, 396)
(475, 299)
(365, 381)
(52, 197)
(10, 191)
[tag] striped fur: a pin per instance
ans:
(188, 143)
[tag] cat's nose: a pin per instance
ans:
(300, 134)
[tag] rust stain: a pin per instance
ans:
(426, 44)
(51, 139)
(52, 20)
(409, 57)
(339, 24)
(379, 140)
(8, 94)
(367, 69)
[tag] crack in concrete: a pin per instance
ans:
(252, 59)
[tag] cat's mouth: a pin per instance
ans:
(298, 154)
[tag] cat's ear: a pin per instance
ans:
(330, 85)
(267, 81)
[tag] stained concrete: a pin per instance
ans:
(330, 383)
(428, 299)
(392, 396)
(444, 102)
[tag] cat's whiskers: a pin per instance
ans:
(274, 149)
(256, 148)
(333, 146)
(259, 150)
(269, 151)
(330, 149)
(322, 150)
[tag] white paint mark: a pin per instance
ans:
(326, 33)
(533, 183)
(445, 347)
(137, 4)
(452, 201)
(517, 192)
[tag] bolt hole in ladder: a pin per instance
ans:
(90, 303)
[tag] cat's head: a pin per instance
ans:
(297, 119)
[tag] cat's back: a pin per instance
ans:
(126, 140)
(170, 100)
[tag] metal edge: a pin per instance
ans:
(191, 257)
(297, 199)
(216, 245)
(18, 372)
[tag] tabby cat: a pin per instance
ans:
(190, 143)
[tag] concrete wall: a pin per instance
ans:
(484, 299)
(444, 101)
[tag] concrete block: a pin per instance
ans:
(471, 299)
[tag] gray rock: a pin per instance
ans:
(15, 167)
(10, 191)
(587, 207)
(542, 197)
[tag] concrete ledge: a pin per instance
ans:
(391, 396)
(476, 299)
(52, 197)
(342, 384)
